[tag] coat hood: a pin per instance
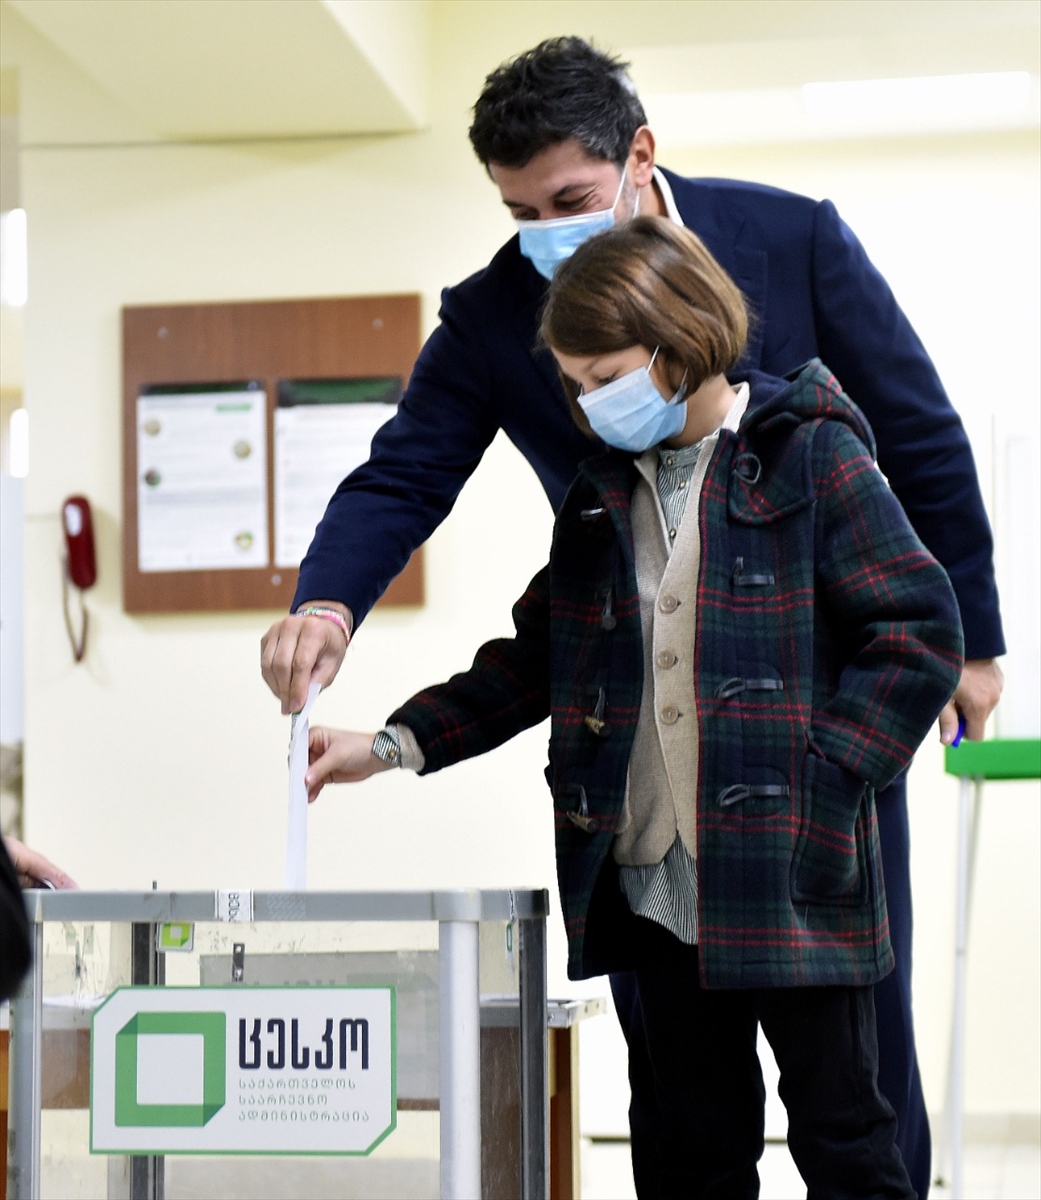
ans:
(771, 471)
(810, 393)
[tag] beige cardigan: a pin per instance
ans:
(664, 759)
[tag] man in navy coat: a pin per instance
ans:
(564, 138)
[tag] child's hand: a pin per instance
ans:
(339, 756)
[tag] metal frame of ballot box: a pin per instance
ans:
(972, 763)
(458, 914)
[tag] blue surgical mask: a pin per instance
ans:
(630, 413)
(549, 243)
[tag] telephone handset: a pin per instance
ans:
(80, 566)
(79, 541)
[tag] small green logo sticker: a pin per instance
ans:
(175, 936)
(207, 1092)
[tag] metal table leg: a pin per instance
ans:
(953, 1135)
(534, 1048)
(460, 1042)
(26, 1094)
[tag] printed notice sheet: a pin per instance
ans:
(202, 479)
(317, 444)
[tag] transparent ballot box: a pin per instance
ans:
(281, 1044)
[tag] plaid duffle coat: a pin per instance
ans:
(827, 641)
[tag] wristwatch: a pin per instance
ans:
(386, 746)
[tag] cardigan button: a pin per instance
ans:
(668, 603)
(670, 715)
(666, 659)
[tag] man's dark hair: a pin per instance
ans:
(564, 88)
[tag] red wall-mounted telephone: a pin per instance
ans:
(80, 568)
(79, 541)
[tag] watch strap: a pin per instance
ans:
(386, 746)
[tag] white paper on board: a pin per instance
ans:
(202, 481)
(316, 447)
(296, 831)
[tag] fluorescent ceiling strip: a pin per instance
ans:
(847, 110)
(13, 259)
(941, 98)
(18, 432)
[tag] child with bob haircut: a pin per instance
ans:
(739, 638)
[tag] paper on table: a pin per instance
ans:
(296, 831)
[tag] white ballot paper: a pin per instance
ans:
(296, 830)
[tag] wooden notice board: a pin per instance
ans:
(268, 347)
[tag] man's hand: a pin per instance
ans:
(338, 756)
(975, 698)
(296, 650)
(34, 870)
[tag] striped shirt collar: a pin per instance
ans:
(650, 460)
(688, 454)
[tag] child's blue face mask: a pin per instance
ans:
(630, 413)
(549, 243)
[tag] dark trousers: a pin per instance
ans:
(702, 1049)
(898, 1077)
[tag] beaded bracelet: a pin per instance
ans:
(327, 614)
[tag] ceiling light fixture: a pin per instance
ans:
(962, 100)
(14, 284)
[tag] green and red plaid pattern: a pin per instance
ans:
(828, 640)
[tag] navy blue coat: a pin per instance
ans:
(814, 293)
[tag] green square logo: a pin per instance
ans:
(175, 936)
(212, 1027)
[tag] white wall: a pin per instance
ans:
(12, 609)
(163, 757)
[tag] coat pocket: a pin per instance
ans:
(830, 861)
